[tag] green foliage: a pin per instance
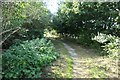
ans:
(70, 67)
(96, 72)
(31, 17)
(85, 40)
(77, 18)
(110, 43)
(16, 14)
(85, 19)
(28, 58)
(63, 67)
(112, 47)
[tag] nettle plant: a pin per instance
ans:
(28, 58)
(111, 44)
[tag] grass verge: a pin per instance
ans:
(62, 68)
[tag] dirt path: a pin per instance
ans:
(78, 72)
(88, 64)
(79, 62)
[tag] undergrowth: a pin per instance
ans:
(25, 60)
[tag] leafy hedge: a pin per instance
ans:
(27, 59)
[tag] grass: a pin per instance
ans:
(96, 72)
(62, 68)
(95, 65)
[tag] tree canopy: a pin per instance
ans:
(30, 17)
(77, 18)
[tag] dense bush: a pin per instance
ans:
(85, 40)
(27, 58)
(110, 44)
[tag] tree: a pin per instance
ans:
(31, 17)
(77, 18)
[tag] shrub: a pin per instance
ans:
(110, 44)
(27, 58)
(87, 42)
(83, 39)
(112, 47)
